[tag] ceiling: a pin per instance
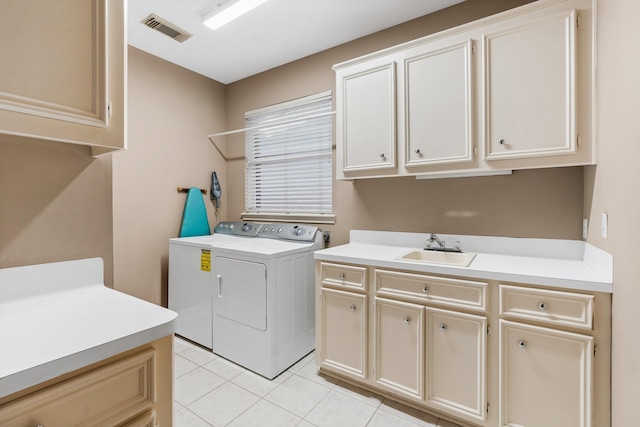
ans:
(273, 34)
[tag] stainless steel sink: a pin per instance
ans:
(460, 259)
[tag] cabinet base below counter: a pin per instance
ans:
(133, 388)
(479, 352)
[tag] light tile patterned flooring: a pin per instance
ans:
(211, 391)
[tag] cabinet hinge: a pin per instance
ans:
(473, 48)
(487, 407)
(578, 140)
(577, 21)
(595, 350)
(488, 329)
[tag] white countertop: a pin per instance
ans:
(59, 317)
(548, 262)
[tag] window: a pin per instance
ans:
(288, 161)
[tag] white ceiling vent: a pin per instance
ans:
(166, 28)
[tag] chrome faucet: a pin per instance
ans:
(434, 239)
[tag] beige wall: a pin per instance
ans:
(612, 187)
(171, 112)
(543, 203)
(55, 203)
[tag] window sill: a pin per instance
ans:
(285, 217)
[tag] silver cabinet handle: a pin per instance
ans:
(425, 289)
(407, 320)
(352, 307)
(522, 344)
(443, 327)
(542, 306)
(219, 286)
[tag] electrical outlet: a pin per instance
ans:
(604, 227)
(326, 235)
(585, 227)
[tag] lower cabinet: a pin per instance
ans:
(344, 340)
(549, 367)
(482, 353)
(130, 390)
(399, 347)
(456, 363)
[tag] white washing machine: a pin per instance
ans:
(191, 280)
(264, 299)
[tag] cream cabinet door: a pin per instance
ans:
(399, 347)
(456, 363)
(62, 74)
(344, 332)
(530, 87)
(366, 116)
(438, 102)
(545, 377)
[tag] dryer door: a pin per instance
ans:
(241, 291)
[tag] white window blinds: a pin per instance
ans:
(288, 156)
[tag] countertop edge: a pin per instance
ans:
(470, 272)
(72, 362)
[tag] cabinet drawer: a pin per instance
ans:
(438, 290)
(344, 276)
(547, 306)
(108, 395)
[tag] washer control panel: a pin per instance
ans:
(238, 228)
(298, 232)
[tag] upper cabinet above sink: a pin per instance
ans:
(63, 72)
(510, 91)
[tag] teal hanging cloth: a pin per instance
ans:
(194, 216)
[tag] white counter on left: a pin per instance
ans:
(59, 317)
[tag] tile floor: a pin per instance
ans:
(211, 391)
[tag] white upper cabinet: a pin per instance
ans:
(438, 101)
(530, 87)
(511, 91)
(366, 97)
(62, 75)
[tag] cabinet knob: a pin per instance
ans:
(352, 307)
(418, 152)
(407, 320)
(341, 276)
(542, 306)
(522, 344)
(502, 142)
(425, 289)
(382, 156)
(443, 327)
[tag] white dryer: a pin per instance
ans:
(264, 299)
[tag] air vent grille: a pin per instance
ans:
(167, 28)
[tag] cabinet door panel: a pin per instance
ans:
(107, 395)
(399, 347)
(63, 72)
(549, 367)
(438, 102)
(367, 118)
(530, 83)
(344, 336)
(456, 363)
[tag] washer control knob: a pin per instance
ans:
(246, 227)
(299, 231)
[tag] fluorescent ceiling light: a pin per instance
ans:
(228, 12)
